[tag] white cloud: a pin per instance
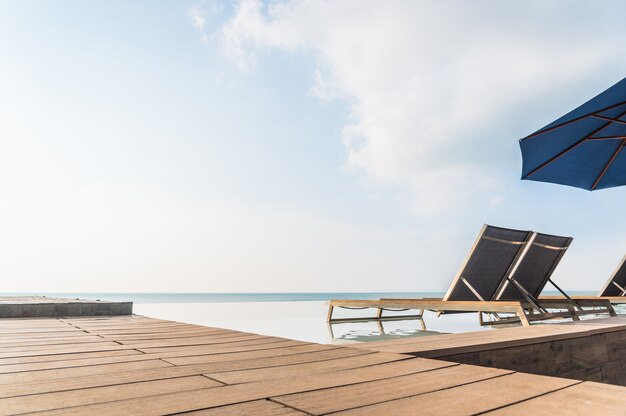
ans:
(201, 17)
(431, 84)
(198, 17)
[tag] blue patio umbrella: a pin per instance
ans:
(584, 148)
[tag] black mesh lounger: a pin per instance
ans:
(534, 268)
(616, 285)
(490, 260)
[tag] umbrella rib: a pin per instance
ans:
(573, 120)
(609, 119)
(552, 159)
(608, 138)
(608, 164)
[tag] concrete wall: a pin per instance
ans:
(53, 309)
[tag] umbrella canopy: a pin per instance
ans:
(584, 147)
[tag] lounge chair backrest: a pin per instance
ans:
(535, 266)
(488, 262)
(616, 285)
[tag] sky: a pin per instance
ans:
(290, 146)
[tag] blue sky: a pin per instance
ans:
(289, 146)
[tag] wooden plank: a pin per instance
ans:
(171, 329)
(276, 362)
(220, 362)
(97, 380)
(307, 353)
(65, 349)
(8, 346)
(167, 334)
(267, 342)
(60, 373)
(256, 408)
(60, 330)
(357, 395)
(188, 351)
(66, 357)
(114, 323)
(469, 306)
(389, 369)
(69, 343)
(47, 365)
(190, 341)
(248, 355)
(130, 326)
(512, 307)
(60, 400)
(261, 374)
(586, 398)
(221, 396)
(468, 399)
(42, 336)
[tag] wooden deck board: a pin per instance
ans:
(84, 382)
(64, 349)
(256, 408)
(327, 366)
(60, 373)
(249, 355)
(66, 357)
(205, 358)
(586, 398)
(184, 341)
(49, 341)
(468, 399)
(145, 366)
(358, 395)
(59, 400)
(257, 343)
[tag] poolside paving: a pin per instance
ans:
(136, 365)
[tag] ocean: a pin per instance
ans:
(300, 316)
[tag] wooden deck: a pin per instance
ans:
(141, 366)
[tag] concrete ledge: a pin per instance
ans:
(46, 307)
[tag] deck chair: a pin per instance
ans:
(513, 265)
(489, 262)
(616, 285)
(533, 269)
(504, 272)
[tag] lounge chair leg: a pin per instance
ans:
(329, 327)
(573, 313)
(379, 314)
(422, 324)
(330, 313)
(610, 309)
(522, 317)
